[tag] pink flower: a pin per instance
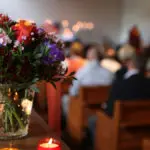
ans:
(4, 39)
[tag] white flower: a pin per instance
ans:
(16, 44)
(9, 40)
(33, 39)
(1, 40)
(27, 106)
(32, 33)
(64, 64)
(4, 39)
(64, 67)
(22, 48)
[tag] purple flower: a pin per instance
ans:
(54, 55)
(41, 31)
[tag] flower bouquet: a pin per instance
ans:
(27, 55)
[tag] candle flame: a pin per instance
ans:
(50, 141)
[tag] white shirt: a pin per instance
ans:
(130, 73)
(91, 74)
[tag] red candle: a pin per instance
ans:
(48, 144)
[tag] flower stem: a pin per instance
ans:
(18, 119)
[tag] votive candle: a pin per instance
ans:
(48, 145)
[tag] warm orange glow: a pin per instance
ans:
(80, 24)
(90, 25)
(75, 28)
(28, 21)
(67, 32)
(49, 145)
(65, 23)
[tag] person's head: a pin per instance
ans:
(94, 52)
(129, 58)
(110, 53)
(76, 49)
(125, 53)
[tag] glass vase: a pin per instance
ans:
(15, 111)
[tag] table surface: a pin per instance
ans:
(146, 144)
(38, 130)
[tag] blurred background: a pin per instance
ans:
(108, 19)
(107, 45)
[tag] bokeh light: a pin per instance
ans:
(65, 23)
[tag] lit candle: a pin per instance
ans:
(49, 145)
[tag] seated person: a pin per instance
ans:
(91, 74)
(125, 52)
(133, 86)
(75, 61)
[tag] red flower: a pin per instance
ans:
(4, 19)
(24, 31)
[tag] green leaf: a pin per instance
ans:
(56, 79)
(10, 119)
(35, 89)
(39, 55)
(72, 73)
(53, 84)
(20, 123)
(35, 80)
(74, 78)
(6, 122)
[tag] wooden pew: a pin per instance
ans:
(83, 106)
(126, 130)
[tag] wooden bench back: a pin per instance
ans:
(94, 94)
(131, 124)
(133, 113)
(79, 110)
(126, 129)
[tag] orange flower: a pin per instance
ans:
(23, 30)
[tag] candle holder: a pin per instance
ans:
(49, 144)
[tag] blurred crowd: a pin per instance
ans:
(125, 67)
